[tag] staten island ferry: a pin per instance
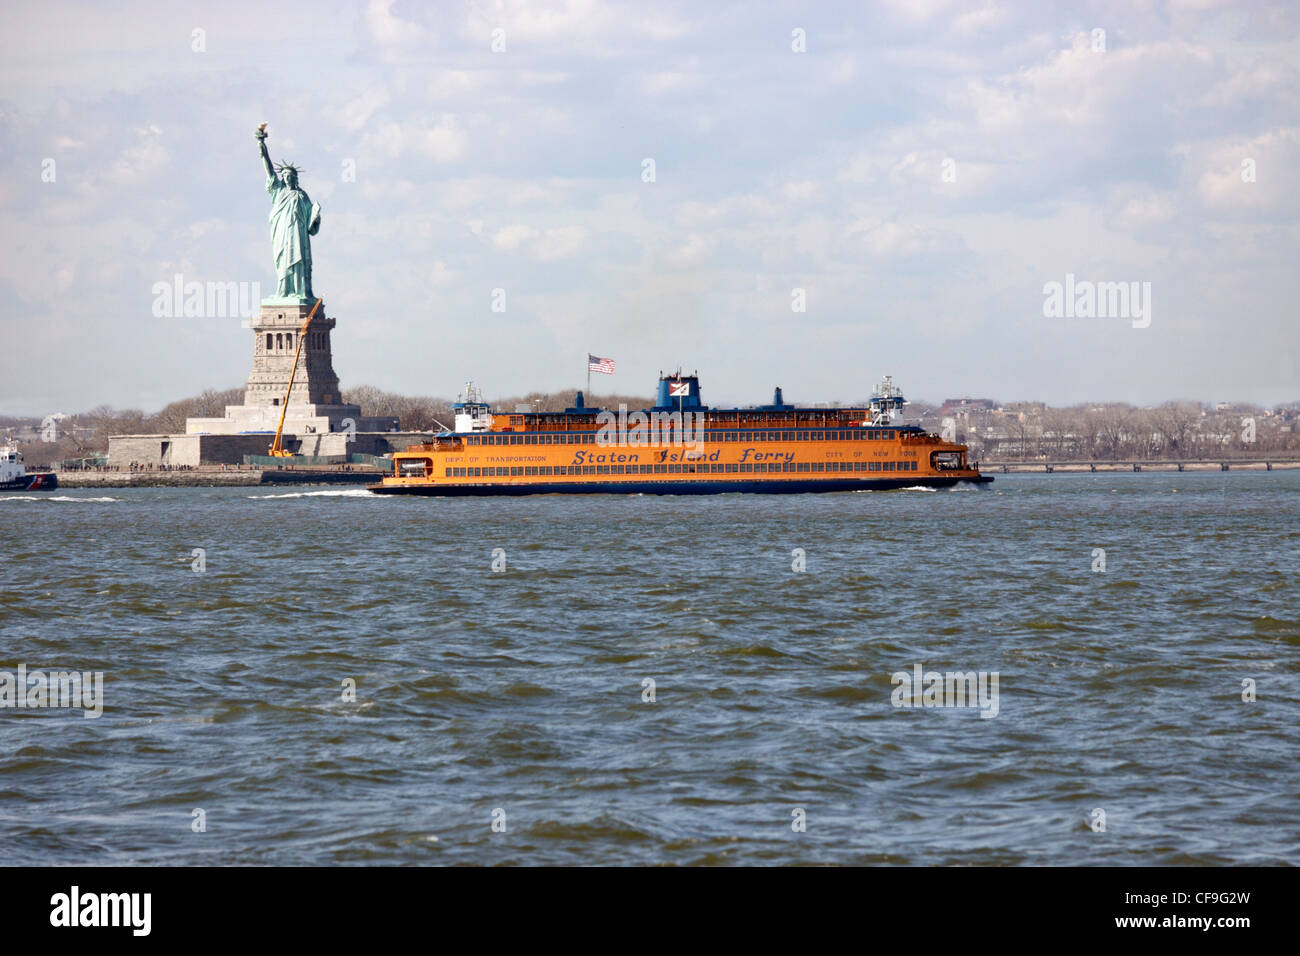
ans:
(680, 446)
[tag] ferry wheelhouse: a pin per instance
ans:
(680, 446)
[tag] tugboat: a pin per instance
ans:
(679, 447)
(14, 477)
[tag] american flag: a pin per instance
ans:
(597, 364)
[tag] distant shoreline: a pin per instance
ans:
(1140, 467)
(214, 478)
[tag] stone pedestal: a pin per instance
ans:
(315, 406)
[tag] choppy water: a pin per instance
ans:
(522, 690)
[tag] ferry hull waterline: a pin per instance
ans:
(680, 447)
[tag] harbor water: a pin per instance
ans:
(323, 676)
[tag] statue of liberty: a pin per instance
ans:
(294, 220)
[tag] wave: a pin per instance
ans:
(56, 498)
(333, 493)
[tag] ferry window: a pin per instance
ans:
(589, 439)
(731, 436)
(747, 468)
(661, 469)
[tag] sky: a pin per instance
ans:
(921, 170)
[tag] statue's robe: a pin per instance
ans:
(294, 219)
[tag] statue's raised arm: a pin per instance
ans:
(260, 136)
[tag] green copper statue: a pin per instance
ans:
(294, 220)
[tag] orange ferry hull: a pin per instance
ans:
(679, 487)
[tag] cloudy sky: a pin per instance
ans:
(921, 170)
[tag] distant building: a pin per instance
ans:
(952, 406)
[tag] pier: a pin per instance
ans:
(209, 476)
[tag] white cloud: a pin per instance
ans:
(511, 237)
(560, 243)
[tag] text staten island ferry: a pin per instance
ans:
(680, 446)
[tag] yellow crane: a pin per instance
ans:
(276, 450)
